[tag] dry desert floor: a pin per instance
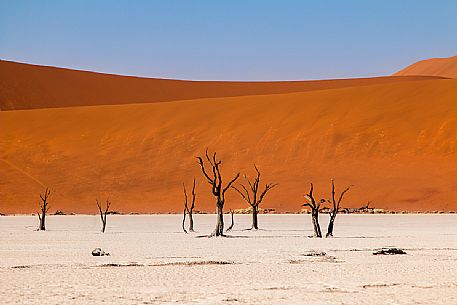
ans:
(153, 262)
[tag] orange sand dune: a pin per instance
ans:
(397, 143)
(445, 67)
(24, 86)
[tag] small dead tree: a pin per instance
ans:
(335, 208)
(184, 220)
(188, 210)
(252, 196)
(232, 224)
(215, 180)
(315, 208)
(44, 208)
(103, 213)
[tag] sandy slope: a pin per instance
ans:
(155, 263)
(24, 86)
(397, 143)
(445, 67)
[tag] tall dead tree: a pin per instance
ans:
(188, 209)
(334, 209)
(315, 208)
(103, 213)
(252, 196)
(44, 208)
(215, 180)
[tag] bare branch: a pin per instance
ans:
(247, 192)
(245, 197)
(267, 188)
(200, 161)
(341, 196)
(230, 183)
(310, 197)
(219, 177)
(99, 206)
(249, 182)
(256, 183)
(108, 204)
(208, 158)
(257, 170)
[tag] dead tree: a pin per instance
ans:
(215, 180)
(232, 224)
(103, 213)
(252, 196)
(189, 210)
(44, 208)
(335, 209)
(315, 208)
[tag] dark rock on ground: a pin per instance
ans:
(389, 251)
(315, 253)
(99, 252)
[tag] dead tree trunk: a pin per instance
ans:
(44, 208)
(103, 213)
(184, 220)
(315, 207)
(331, 223)
(188, 210)
(252, 197)
(185, 209)
(191, 222)
(316, 225)
(215, 180)
(219, 230)
(255, 225)
(191, 210)
(232, 224)
(335, 209)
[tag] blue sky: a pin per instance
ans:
(229, 40)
